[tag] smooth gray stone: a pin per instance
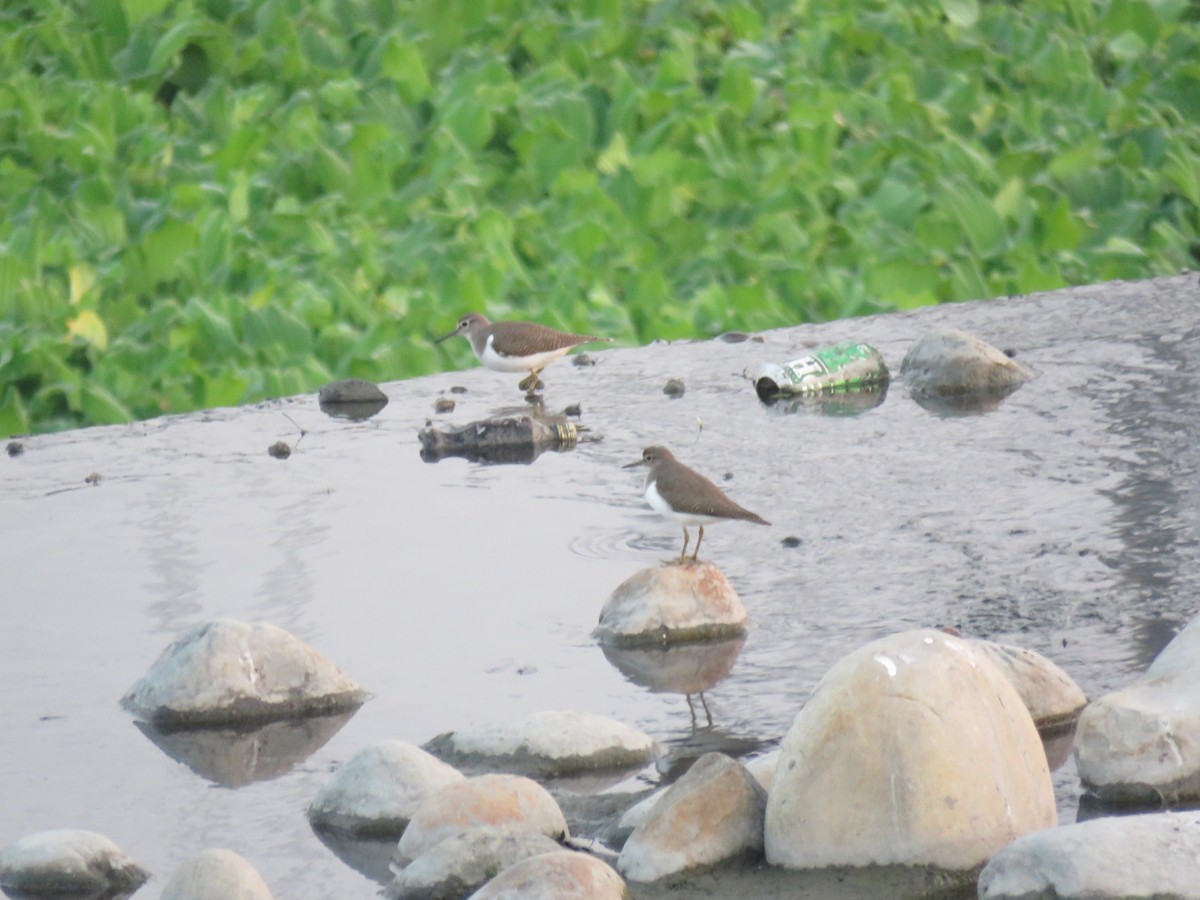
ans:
(1148, 856)
(713, 813)
(216, 874)
(380, 789)
(511, 800)
(1142, 744)
(949, 362)
(564, 875)
(68, 861)
(463, 862)
(225, 671)
(548, 744)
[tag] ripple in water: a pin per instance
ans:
(624, 544)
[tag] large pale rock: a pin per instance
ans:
(913, 750)
(1153, 855)
(1143, 743)
(690, 601)
(463, 862)
(485, 800)
(565, 875)
(1050, 694)
(226, 671)
(380, 788)
(216, 875)
(548, 744)
(713, 813)
(949, 362)
(68, 861)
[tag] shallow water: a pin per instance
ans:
(1065, 520)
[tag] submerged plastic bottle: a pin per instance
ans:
(849, 366)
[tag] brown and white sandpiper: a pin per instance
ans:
(517, 346)
(686, 496)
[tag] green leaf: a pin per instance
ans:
(978, 217)
(102, 407)
(963, 13)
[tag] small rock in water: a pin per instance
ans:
(484, 800)
(564, 875)
(15, 448)
(674, 388)
(1140, 744)
(1053, 699)
(380, 788)
(668, 604)
(68, 861)
(224, 671)
(583, 359)
(462, 862)
(791, 541)
(548, 744)
(950, 362)
(733, 337)
(574, 410)
(280, 450)
(216, 874)
(1120, 857)
(443, 405)
(712, 814)
(457, 389)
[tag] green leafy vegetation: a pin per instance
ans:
(209, 202)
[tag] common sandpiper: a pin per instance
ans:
(686, 496)
(517, 346)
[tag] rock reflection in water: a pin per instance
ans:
(354, 411)
(688, 669)
(370, 856)
(240, 755)
(950, 406)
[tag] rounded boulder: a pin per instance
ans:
(691, 601)
(713, 813)
(511, 800)
(225, 671)
(913, 750)
(564, 875)
(216, 874)
(460, 863)
(949, 362)
(548, 744)
(68, 861)
(1142, 744)
(380, 788)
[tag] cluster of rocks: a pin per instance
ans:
(922, 749)
(919, 749)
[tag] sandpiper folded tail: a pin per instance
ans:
(517, 346)
(686, 496)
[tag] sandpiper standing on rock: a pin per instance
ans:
(686, 496)
(517, 346)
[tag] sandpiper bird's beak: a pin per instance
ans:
(445, 337)
(640, 462)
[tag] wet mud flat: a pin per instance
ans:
(1066, 518)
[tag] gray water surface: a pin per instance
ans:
(1066, 520)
